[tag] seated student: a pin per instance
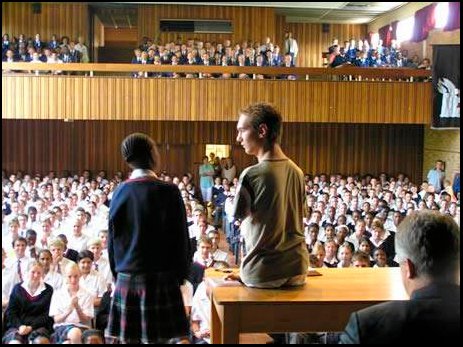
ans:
(216, 253)
(202, 260)
(345, 255)
(90, 279)
(103, 236)
(68, 253)
(428, 251)
(100, 264)
(201, 315)
(317, 255)
(361, 259)
(19, 262)
(331, 249)
(28, 307)
(380, 258)
(203, 254)
(365, 247)
(311, 236)
(92, 337)
(71, 308)
(59, 262)
(31, 249)
(38, 339)
(50, 276)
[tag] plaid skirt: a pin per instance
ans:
(146, 308)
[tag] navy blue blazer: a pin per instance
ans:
(431, 315)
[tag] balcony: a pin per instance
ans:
(109, 92)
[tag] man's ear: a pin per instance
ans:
(263, 130)
(410, 270)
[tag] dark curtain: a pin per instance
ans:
(394, 29)
(385, 35)
(424, 22)
(446, 85)
(453, 21)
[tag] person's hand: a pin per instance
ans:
(57, 260)
(232, 277)
(74, 302)
(205, 333)
(24, 330)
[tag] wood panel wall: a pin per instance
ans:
(127, 37)
(40, 146)
(62, 19)
(312, 41)
(104, 98)
(249, 23)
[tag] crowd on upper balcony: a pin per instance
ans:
(37, 49)
(197, 52)
(362, 53)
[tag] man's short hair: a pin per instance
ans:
(264, 113)
(431, 241)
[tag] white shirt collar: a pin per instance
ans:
(138, 173)
(39, 290)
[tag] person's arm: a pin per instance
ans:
(351, 332)
(242, 201)
(14, 307)
(61, 317)
(195, 329)
(83, 317)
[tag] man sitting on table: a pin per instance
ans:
(428, 252)
(269, 202)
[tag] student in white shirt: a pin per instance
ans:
(71, 308)
(90, 279)
(51, 277)
(100, 264)
(201, 315)
(216, 253)
(19, 262)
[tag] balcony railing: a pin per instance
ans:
(299, 73)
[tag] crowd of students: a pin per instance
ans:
(56, 280)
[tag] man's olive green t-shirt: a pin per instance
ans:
(270, 201)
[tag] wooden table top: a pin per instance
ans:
(368, 285)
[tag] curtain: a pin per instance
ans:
(453, 21)
(446, 86)
(424, 22)
(394, 30)
(385, 35)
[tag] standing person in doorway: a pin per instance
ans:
(147, 225)
(269, 201)
(206, 174)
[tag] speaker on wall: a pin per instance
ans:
(325, 27)
(36, 8)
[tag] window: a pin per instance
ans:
(441, 14)
(405, 29)
(221, 151)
